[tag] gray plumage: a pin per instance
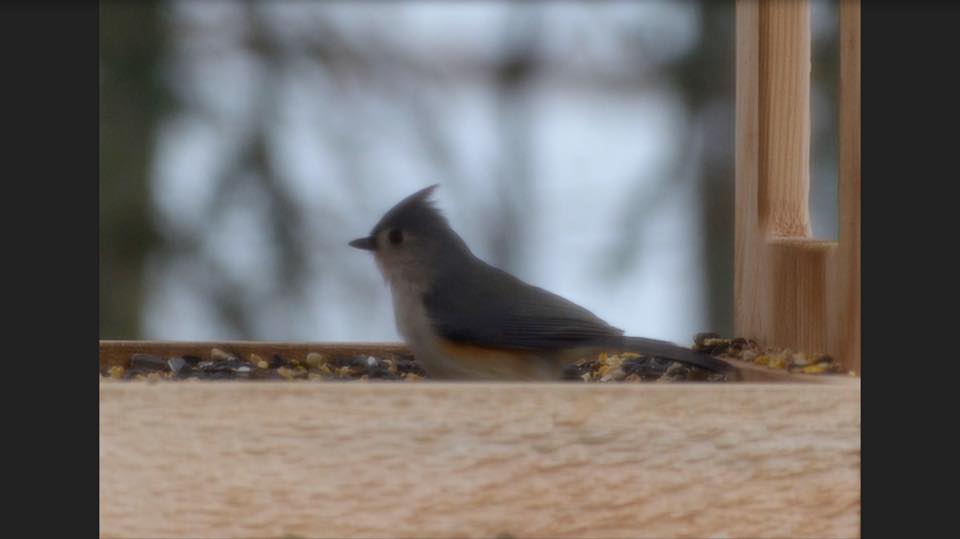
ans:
(462, 299)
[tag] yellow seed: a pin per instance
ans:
(217, 354)
(116, 372)
(819, 368)
(315, 359)
(257, 360)
(615, 361)
(263, 364)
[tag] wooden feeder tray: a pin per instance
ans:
(435, 459)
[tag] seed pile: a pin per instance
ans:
(604, 367)
(223, 365)
(775, 358)
(633, 367)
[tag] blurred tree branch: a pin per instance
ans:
(131, 100)
(705, 79)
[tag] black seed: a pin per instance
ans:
(192, 360)
(148, 362)
(178, 365)
(358, 362)
(407, 366)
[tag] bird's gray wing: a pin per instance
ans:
(489, 307)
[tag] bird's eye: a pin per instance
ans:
(395, 236)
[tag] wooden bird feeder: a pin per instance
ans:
(776, 455)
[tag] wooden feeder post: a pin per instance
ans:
(847, 345)
(790, 289)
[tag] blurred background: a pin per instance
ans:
(586, 147)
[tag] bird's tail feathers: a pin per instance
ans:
(669, 350)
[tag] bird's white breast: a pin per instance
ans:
(411, 316)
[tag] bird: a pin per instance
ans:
(465, 319)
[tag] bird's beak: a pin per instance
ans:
(363, 243)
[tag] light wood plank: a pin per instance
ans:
(848, 255)
(184, 459)
(747, 285)
(784, 118)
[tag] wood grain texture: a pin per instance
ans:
(797, 297)
(211, 459)
(790, 290)
(848, 255)
(784, 113)
(747, 283)
(781, 274)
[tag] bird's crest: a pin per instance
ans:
(416, 212)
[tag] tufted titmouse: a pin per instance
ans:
(465, 319)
